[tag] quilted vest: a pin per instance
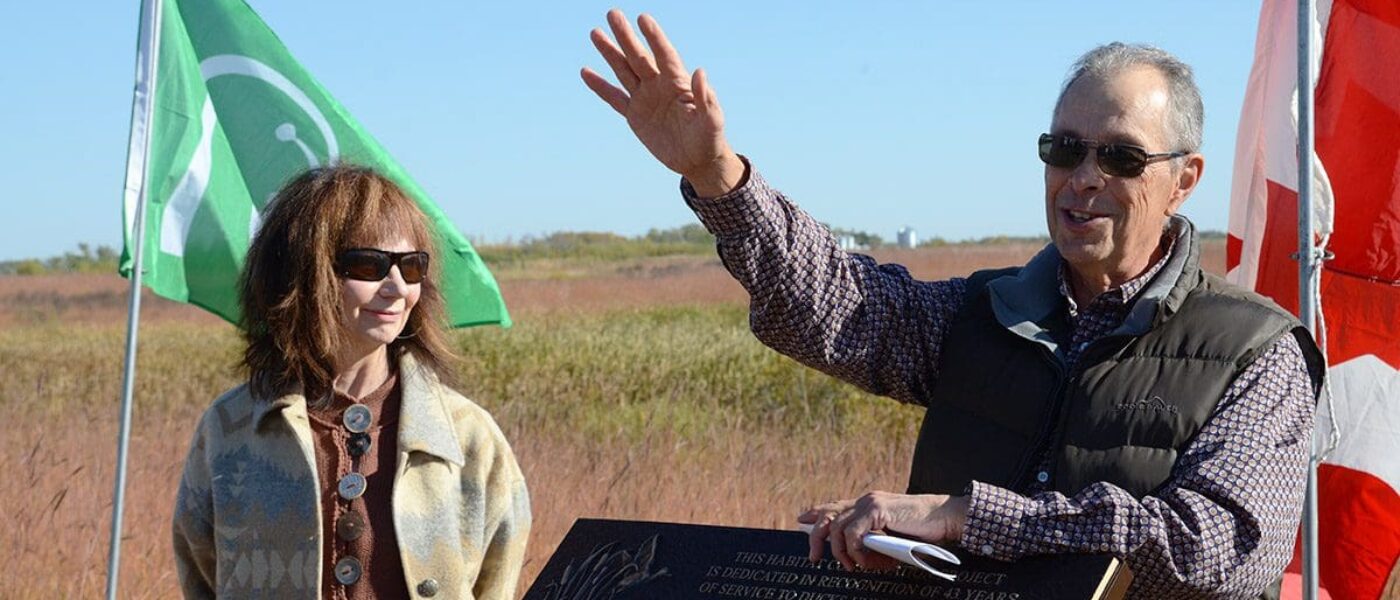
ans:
(1137, 399)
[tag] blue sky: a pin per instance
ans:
(871, 115)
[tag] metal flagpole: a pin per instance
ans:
(143, 105)
(1307, 264)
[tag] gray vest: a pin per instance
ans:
(1140, 394)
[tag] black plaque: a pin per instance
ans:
(602, 559)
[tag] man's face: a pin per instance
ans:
(1107, 227)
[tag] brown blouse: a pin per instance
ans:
(357, 535)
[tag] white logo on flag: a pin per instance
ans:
(189, 192)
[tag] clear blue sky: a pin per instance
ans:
(872, 115)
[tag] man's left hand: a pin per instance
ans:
(927, 517)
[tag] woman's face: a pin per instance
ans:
(375, 312)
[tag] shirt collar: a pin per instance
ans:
(1026, 299)
(264, 409)
(1125, 293)
(425, 424)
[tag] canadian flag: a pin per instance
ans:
(1357, 213)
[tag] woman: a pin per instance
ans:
(345, 467)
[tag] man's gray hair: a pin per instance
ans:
(1185, 113)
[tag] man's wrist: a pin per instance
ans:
(957, 516)
(726, 174)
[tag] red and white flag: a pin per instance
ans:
(1357, 213)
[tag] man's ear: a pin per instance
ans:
(1187, 176)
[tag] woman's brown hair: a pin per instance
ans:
(290, 293)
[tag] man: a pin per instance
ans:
(1108, 396)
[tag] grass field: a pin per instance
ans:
(629, 390)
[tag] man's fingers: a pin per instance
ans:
(837, 536)
(704, 94)
(615, 97)
(697, 89)
(826, 527)
(615, 59)
(667, 59)
(816, 544)
(816, 540)
(854, 534)
(637, 55)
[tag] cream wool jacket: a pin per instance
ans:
(248, 524)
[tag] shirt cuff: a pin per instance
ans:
(735, 212)
(995, 522)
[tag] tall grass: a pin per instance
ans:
(672, 413)
(687, 370)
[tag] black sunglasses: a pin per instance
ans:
(368, 264)
(1119, 160)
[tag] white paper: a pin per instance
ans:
(909, 552)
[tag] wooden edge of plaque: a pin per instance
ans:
(1115, 582)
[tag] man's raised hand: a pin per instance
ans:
(672, 111)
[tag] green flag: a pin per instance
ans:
(235, 117)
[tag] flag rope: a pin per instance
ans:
(1334, 432)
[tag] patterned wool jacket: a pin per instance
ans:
(248, 523)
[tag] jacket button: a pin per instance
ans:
(348, 570)
(359, 444)
(1042, 477)
(428, 588)
(357, 418)
(350, 527)
(351, 486)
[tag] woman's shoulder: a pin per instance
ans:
(468, 416)
(230, 408)
(238, 394)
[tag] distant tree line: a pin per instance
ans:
(87, 259)
(601, 246)
(691, 239)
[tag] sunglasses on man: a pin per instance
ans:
(1118, 160)
(368, 264)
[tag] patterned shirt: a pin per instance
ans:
(1221, 526)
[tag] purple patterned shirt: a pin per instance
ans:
(1221, 526)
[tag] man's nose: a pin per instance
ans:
(1086, 176)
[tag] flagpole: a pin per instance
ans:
(143, 108)
(1307, 262)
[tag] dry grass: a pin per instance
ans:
(56, 523)
(677, 447)
(619, 404)
(57, 516)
